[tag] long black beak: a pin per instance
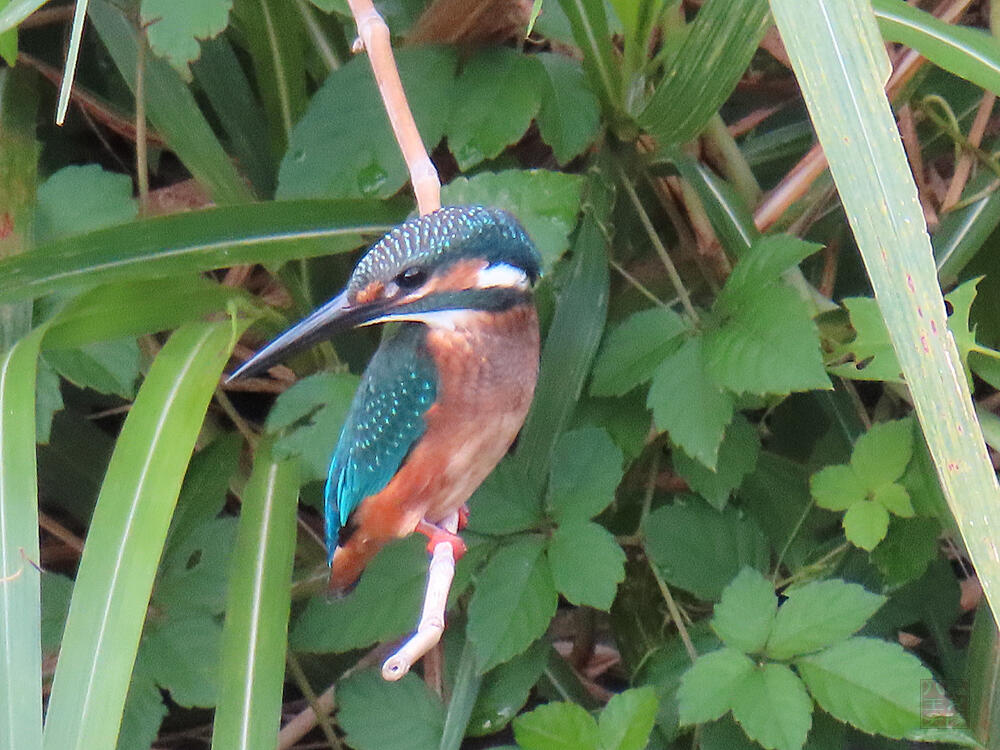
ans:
(336, 315)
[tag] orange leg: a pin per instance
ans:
(436, 535)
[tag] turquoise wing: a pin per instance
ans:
(385, 420)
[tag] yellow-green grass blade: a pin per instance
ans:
(841, 66)
(17, 11)
(126, 537)
(255, 636)
(20, 604)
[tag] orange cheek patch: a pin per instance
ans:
(370, 293)
(462, 275)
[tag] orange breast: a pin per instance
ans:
(488, 366)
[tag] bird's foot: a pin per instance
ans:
(463, 516)
(436, 535)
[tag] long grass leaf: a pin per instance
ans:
(20, 605)
(126, 537)
(255, 636)
(197, 241)
(17, 11)
(969, 53)
(841, 66)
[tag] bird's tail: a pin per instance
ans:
(348, 563)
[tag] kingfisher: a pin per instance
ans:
(445, 393)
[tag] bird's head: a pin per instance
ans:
(430, 269)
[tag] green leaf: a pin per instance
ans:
(762, 264)
(627, 720)
(870, 684)
(106, 366)
(556, 726)
(372, 167)
(144, 712)
(56, 592)
(504, 503)
(182, 655)
(837, 487)
(587, 563)
(174, 28)
(255, 635)
(707, 688)
(773, 707)
(572, 340)
(865, 524)
(194, 573)
(568, 119)
(700, 549)
(737, 458)
(20, 602)
(312, 412)
(513, 603)
(969, 53)
(725, 734)
(196, 241)
(880, 455)
(48, 400)
(80, 199)
(496, 97)
(586, 468)
(745, 612)
(546, 203)
(908, 547)
(203, 493)
(589, 25)
(416, 718)
(385, 604)
(871, 353)
(505, 689)
(895, 499)
(820, 614)
(687, 403)
(126, 537)
(703, 71)
(631, 352)
(767, 344)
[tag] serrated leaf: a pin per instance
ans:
(587, 563)
(768, 344)
(836, 487)
(767, 258)
(385, 604)
(181, 654)
(312, 412)
(632, 351)
(707, 688)
(143, 714)
(744, 614)
(870, 684)
(417, 716)
(497, 95)
(737, 458)
(371, 166)
(881, 454)
(513, 603)
(586, 468)
(556, 726)
(194, 572)
(895, 499)
(773, 707)
(505, 690)
(105, 366)
(80, 199)
(568, 118)
(175, 26)
(546, 203)
(701, 549)
(871, 352)
(909, 545)
(865, 524)
(818, 615)
(627, 720)
(689, 405)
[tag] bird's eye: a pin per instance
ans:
(411, 278)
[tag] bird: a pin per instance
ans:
(446, 393)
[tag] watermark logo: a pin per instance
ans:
(939, 703)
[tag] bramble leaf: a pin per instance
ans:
(865, 524)
(417, 713)
(175, 26)
(632, 351)
(627, 720)
(745, 613)
(737, 458)
(773, 707)
(556, 726)
(587, 563)
(586, 468)
(707, 688)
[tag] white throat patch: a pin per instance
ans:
(502, 274)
